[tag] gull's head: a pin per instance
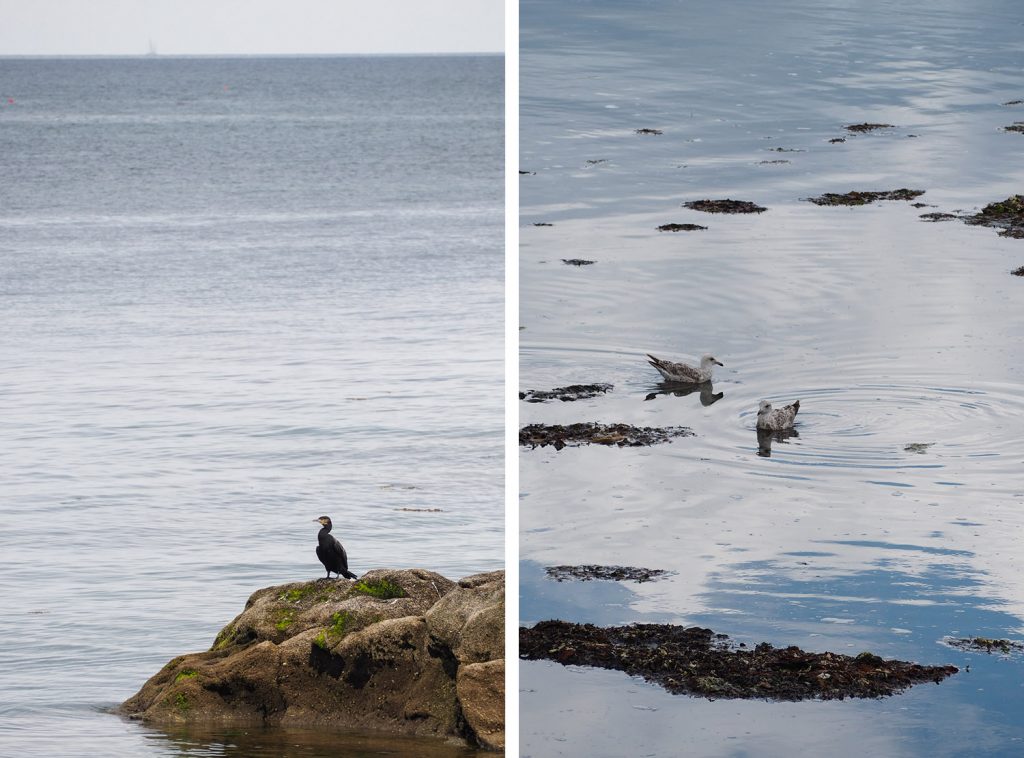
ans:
(764, 408)
(708, 360)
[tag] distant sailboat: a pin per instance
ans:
(152, 49)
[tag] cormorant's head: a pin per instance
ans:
(324, 521)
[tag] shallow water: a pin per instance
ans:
(236, 295)
(892, 331)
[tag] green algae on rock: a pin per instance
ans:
(696, 661)
(426, 662)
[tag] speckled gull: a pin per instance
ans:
(778, 419)
(682, 372)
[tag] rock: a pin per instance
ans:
(349, 654)
(470, 620)
(481, 690)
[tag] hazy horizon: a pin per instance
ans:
(187, 28)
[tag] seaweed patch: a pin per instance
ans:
(590, 572)
(697, 661)
(863, 198)
(566, 394)
(725, 206)
(613, 435)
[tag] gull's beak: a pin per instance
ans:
(718, 362)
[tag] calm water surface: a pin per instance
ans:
(889, 329)
(236, 295)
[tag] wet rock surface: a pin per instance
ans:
(936, 216)
(681, 228)
(1017, 126)
(576, 262)
(648, 131)
(385, 652)
(1006, 215)
(836, 140)
(697, 661)
(863, 198)
(590, 572)
(725, 206)
(867, 127)
(566, 394)
(1018, 271)
(576, 435)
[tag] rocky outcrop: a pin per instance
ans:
(406, 651)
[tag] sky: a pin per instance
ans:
(249, 27)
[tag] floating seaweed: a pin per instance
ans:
(725, 206)
(986, 645)
(866, 127)
(697, 661)
(566, 394)
(1006, 215)
(680, 227)
(863, 198)
(619, 435)
(591, 572)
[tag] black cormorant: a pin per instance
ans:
(330, 552)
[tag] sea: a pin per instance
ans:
(893, 522)
(236, 294)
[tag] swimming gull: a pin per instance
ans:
(777, 419)
(682, 372)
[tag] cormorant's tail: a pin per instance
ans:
(349, 575)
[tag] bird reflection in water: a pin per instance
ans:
(765, 437)
(708, 396)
